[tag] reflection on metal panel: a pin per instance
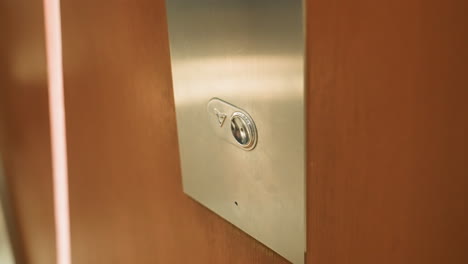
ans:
(6, 253)
(249, 54)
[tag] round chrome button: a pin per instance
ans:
(244, 131)
(240, 130)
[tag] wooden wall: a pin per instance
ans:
(24, 130)
(388, 131)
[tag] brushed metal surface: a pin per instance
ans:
(250, 53)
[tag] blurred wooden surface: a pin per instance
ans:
(388, 131)
(24, 130)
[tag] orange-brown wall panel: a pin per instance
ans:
(24, 130)
(388, 128)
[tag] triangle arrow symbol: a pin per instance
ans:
(221, 117)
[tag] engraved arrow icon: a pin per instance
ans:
(221, 117)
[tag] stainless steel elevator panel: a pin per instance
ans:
(238, 75)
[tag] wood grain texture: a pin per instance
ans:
(24, 130)
(126, 199)
(387, 131)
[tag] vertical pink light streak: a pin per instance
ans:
(57, 128)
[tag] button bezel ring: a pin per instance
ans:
(247, 130)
